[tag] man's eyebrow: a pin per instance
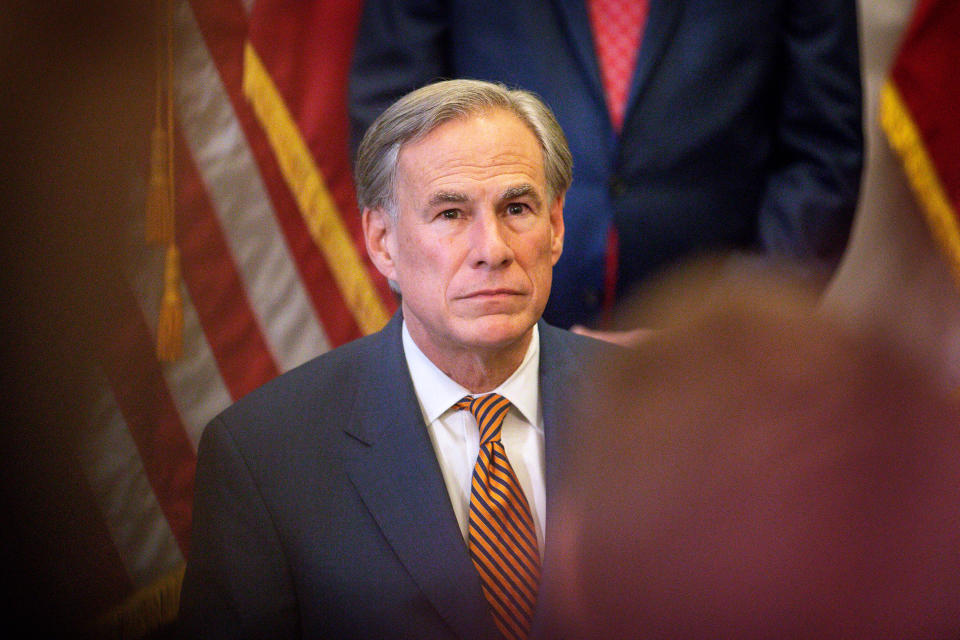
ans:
(443, 197)
(521, 191)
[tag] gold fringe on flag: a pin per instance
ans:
(161, 196)
(145, 612)
(904, 137)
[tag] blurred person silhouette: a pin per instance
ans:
(774, 475)
(71, 141)
(694, 125)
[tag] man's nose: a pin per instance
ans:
(489, 240)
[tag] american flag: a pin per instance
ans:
(272, 263)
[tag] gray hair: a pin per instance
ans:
(419, 112)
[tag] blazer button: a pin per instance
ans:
(591, 298)
(617, 186)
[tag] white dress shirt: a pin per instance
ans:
(456, 436)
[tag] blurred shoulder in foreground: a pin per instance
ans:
(757, 471)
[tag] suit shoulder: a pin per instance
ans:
(585, 347)
(318, 393)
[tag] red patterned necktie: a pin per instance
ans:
(617, 27)
(502, 539)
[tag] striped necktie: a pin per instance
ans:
(502, 539)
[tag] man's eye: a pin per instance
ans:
(450, 214)
(516, 209)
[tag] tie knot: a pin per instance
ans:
(489, 410)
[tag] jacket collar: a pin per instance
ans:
(661, 23)
(399, 480)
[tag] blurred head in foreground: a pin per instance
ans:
(755, 472)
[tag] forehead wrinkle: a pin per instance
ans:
(448, 164)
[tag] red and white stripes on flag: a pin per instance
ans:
(272, 261)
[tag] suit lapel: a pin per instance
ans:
(661, 23)
(562, 383)
(576, 23)
(555, 388)
(399, 480)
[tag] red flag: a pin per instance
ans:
(918, 112)
(272, 262)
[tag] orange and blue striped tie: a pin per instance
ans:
(502, 539)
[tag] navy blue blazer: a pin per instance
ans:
(742, 130)
(320, 510)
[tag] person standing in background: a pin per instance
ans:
(695, 126)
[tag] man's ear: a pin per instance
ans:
(381, 245)
(556, 225)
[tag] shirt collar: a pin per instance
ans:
(437, 392)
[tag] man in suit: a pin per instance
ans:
(346, 498)
(737, 128)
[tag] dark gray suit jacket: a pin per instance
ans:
(320, 509)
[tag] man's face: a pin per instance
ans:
(475, 239)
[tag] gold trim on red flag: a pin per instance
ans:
(905, 139)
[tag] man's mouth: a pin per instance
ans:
(482, 294)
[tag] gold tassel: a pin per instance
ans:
(170, 324)
(161, 200)
(159, 206)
